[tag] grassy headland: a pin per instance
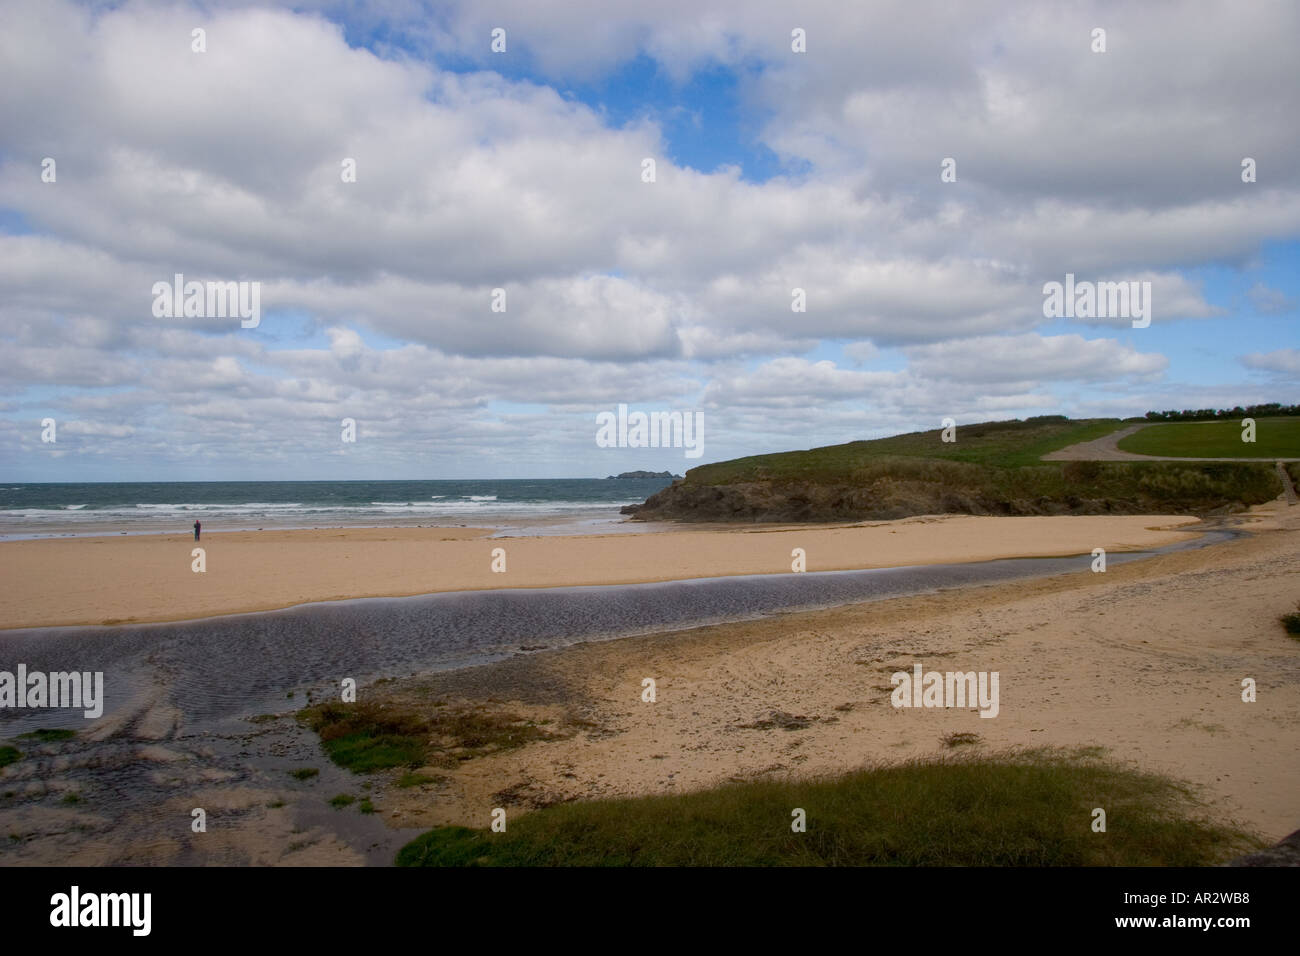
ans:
(1274, 437)
(993, 468)
(1028, 808)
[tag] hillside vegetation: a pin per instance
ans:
(1274, 438)
(993, 468)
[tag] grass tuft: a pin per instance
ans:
(1292, 623)
(369, 736)
(1021, 808)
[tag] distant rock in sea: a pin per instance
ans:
(646, 474)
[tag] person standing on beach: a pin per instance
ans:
(197, 528)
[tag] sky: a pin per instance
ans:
(795, 147)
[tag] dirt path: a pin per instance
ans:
(1107, 449)
(1289, 491)
(1099, 449)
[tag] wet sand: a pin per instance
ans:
(1145, 660)
(129, 579)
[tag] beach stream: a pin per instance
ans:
(187, 722)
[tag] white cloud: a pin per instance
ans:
(1035, 359)
(1283, 361)
(1270, 301)
(376, 294)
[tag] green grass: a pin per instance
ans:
(1021, 809)
(366, 736)
(48, 736)
(342, 800)
(1274, 438)
(1007, 444)
(8, 755)
(897, 487)
(365, 806)
(994, 468)
(304, 773)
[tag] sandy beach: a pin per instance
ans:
(138, 578)
(1145, 661)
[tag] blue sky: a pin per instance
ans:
(520, 170)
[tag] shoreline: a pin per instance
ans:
(1143, 662)
(150, 578)
(504, 526)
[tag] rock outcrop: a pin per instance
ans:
(1286, 853)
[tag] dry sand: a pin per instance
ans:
(131, 578)
(1145, 660)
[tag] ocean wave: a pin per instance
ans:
(470, 506)
(244, 506)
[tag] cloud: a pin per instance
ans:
(1285, 362)
(1035, 359)
(1270, 301)
(377, 294)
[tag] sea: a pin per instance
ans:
(510, 506)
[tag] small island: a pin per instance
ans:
(645, 474)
